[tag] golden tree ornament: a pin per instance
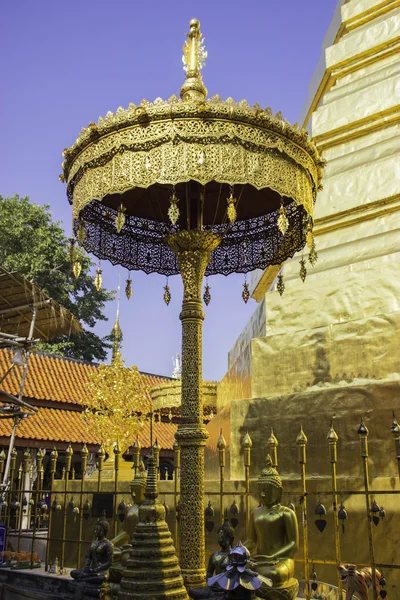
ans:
(283, 221)
(114, 402)
(98, 280)
(245, 292)
(72, 251)
(128, 287)
(303, 269)
(77, 268)
(167, 294)
(231, 210)
(280, 286)
(120, 218)
(81, 234)
(173, 210)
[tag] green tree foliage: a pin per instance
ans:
(37, 248)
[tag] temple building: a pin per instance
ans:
(57, 386)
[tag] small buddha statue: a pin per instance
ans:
(274, 538)
(98, 558)
(216, 564)
(122, 541)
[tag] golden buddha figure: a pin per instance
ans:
(274, 538)
(122, 542)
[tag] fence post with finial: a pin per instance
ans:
(136, 454)
(363, 435)
(84, 459)
(68, 460)
(332, 439)
(177, 465)
(301, 442)
(272, 445)
(246, 445)
(221, 445)
(117, 454)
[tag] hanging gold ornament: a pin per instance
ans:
(128, 287)
(77, 268)
(310, 236)
(283, 221)
(231, 210)
(280, 286)
(98, 280)
(72, 251)
(313, 256)
(81, 234)
(173, 211)
(167, 294)
(303, 270)
(245, 292)
(120, 218)
(207, 295)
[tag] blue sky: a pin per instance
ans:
(65, 64)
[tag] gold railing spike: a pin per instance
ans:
(272, 445)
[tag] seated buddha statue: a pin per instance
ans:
(216, 564)
(273, 538)
(98, 558)
(122, 541)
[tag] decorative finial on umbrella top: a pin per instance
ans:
(194, 58)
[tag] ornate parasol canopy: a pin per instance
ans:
(193, 186)
(148, 171)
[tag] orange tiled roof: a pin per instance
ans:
(55, 378)
(57, 425)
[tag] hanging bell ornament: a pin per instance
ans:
(314, 583)
(173, 211)
(128, 287)
(121, 511)
(56, 506)
(167, 294)
(313, 256)
(207, 295)
(234, 512)
(375, 513)
(77, 268)
(98, 280)
(231, 210)
(245, 292)
(342, 515)
(208, 514)
(81, 234)
(309, 236)
(303, 270)
(120, 218)
(283, 221)
(86, 509)
(320, 511)
(72, 251)
(280, 286)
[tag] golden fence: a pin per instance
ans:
(62, 516)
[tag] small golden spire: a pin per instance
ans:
(194, 57)
(116, 332)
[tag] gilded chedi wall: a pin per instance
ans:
(341, 326)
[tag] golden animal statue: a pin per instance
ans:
(122, 542)
(274, 538)
(359, 581)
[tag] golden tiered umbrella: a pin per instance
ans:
(198, 187)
